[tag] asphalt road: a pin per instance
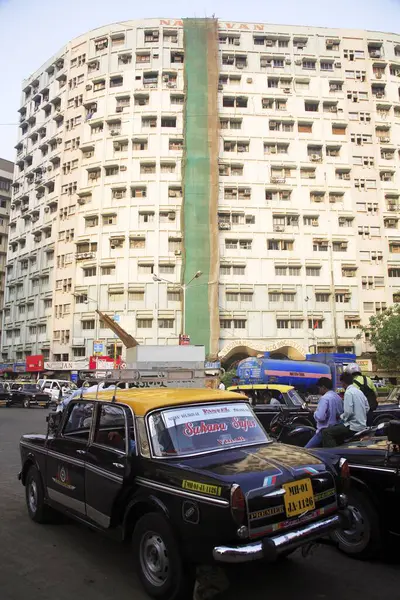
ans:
(60, 562)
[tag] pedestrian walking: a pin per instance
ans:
(354, 417)
(329, 409)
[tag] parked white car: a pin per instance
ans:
(54, 386)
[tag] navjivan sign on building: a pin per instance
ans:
(66, 365)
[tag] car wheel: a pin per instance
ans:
(26, 403)
(158, 560)
(362, 539)
(37, 509)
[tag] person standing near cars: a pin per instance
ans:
(329, 409)
(364, 383)
(354, 417)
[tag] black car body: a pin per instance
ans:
(386, 411)
(374, 494)
(5, 395)
(188, 475)
(268, 400)
(27, 395)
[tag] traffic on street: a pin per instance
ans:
(67, 560)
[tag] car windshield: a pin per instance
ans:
(31, 387)
(192, 429)
(295, 397)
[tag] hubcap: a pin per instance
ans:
(32, 496)
(358, 533)
(154, 558)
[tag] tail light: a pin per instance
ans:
(344, 471)
(238, 504)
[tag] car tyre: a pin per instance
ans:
(159, 564)
(363, 539)
(26, 403)
(34, 493)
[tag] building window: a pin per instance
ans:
(166, 323)
(322, 297)
(286, 270)
(79, 352)
(137, 242)
(88, 324)
(289, 323)
(108, 270)
(115, 296)
(145, 269)
(281, 245)
(352, 323)
(144, 323)
(89, 272)
(168, 121)
(136, 296)
(239, 323)
(109, 219)
(165, 269)
(314, 323)
(313, 271)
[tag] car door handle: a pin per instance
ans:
(119, 465)
(81, 451)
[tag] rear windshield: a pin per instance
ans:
(189, 430)
(31, 387)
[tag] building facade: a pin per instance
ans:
(266, 157)
(6, 179)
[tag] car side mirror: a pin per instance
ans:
(53, 422)
(394, 432)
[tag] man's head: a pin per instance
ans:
(353, 369)
(324, 384)
(346, 379)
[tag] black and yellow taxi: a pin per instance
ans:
(268, 400)
(187, 476)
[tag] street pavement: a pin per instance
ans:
(60, 562)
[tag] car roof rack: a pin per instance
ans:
(148, 376)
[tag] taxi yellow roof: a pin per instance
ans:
(143, 400)
(270, 386)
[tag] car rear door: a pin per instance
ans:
(108, 461)
(18, 395)
(65, 473)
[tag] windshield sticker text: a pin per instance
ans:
(244, 424)
(190, 429)
(230, 440)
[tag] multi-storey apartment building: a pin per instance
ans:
(266, 157)
(6, 178)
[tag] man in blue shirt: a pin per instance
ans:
(329, 409)
(354, 417)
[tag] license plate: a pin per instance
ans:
(42, 403)
(299, 497)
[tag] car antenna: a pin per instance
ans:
(114, 399)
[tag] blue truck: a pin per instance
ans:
(302, 374)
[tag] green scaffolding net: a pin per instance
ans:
(198, 164)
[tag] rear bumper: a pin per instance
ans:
(39, 402)
(270, 548)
